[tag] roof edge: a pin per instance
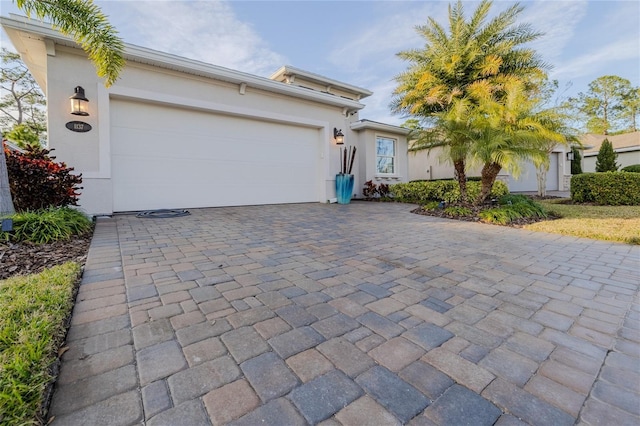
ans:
(148, 56)
(375, 125)
(288, 69)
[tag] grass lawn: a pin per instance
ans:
(609, 223)
(33, 310)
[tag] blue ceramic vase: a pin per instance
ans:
(344, 188)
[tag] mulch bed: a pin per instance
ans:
(27, 258)
(474, 216)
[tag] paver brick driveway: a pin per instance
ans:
(357, 314)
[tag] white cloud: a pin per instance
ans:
(208, 31)
(378, 104)
(390, 34)
(368, 57)
(558, 21)
(595, 61)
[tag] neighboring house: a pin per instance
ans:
(177, 133)
(431, 165)
(626, 145)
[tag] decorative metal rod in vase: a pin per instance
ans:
(344, 179)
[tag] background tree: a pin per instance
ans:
(631, 108)
(22, 103)
(23, 137)
(412, 123)
(606, 159)
(576, 163)
(602, 105)
(475, 54)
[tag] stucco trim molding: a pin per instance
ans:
(381, 127)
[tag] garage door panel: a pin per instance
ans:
(212, 160)
(157, 196)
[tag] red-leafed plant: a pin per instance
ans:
(38, 182)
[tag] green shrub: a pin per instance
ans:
(513, 199)
(500, 215)
(431, 205)
(634, 168)
(458, 211)
(513, 207)
(608, 189)
(529, 209)
(33, 309)
(47, 225)
(606, 159)
(576, 163)
(469, 179)
(441, 190)
(523, 205)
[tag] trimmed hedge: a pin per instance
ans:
(607, 189)
(441, 190)
(635, 168)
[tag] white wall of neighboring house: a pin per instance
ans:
(177, 133)
(626, 145)
(626, 157)
(424, 165)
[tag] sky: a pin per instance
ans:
(356, 42)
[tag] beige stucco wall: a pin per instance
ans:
(428, 165)
(366, 159)
(89, 153)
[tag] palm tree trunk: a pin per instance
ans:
(6, 202)
(541, 175)
(489, 173)
(462, 179)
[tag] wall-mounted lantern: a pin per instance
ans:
(570, 156)
(338, 136)
(79, 102)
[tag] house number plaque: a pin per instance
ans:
(78, 126)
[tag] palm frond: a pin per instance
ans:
(85, 22)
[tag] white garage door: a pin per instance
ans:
(527, 181)
(164, 157)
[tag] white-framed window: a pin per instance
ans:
(385, 156)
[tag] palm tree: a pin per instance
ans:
(88, 26)
(472, 56)
(450, 133)
(506, 131)
(474, 52)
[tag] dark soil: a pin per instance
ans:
(27, 258)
